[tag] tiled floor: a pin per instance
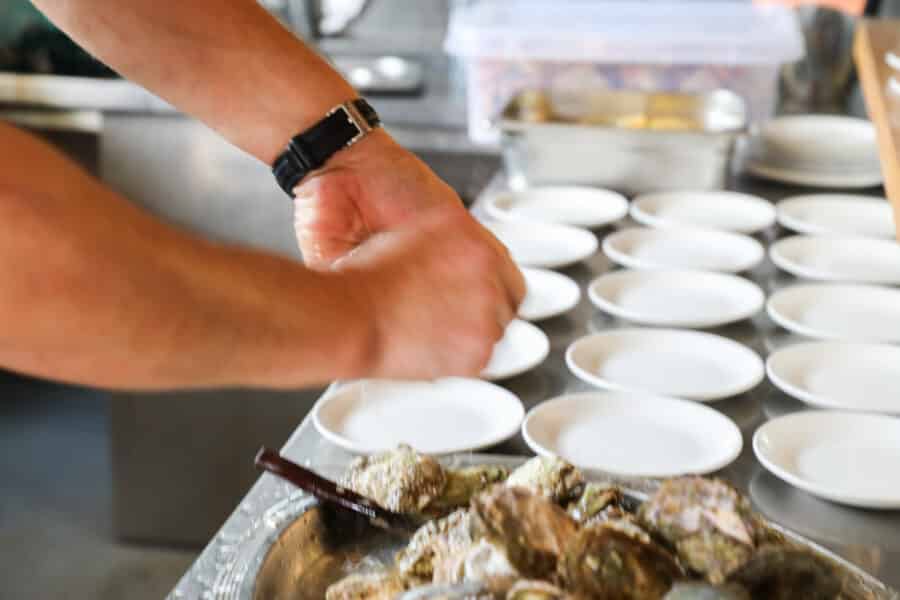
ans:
(55, 495)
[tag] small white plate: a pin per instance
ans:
(548, 294)
(862, 313)
(843, 375)
(724, 211)
(522, 348)
(835, 177)
(637, 435)
(566, 205)
(439, 417)
(646, 248)
(544, 245)
(843, 457)
(837, 214)
(832, 258)
(824, 139)
(673, 362)
(676, 298)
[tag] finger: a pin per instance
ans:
(505, 311)
(510, 273)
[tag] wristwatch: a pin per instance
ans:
(343, 126)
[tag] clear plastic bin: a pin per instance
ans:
(510, 45)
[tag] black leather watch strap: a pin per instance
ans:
(343, 126)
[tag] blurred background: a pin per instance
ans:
(111, 495)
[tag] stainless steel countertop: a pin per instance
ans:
(870, 539)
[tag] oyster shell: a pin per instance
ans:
(434, 543)
(605, 562)
(711, 526)
(401, 480)
(705, 591)
(536, 590)
(531, 530)
(595, 499)
(376, 585)
(464, 483)
(553, 478)
(782, 573)
(482, 561)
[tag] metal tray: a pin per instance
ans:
(299, 548)
(634, 142)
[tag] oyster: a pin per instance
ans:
(535, 590)
(711, 526)
(605, 562)
(434, 543)
(482, 561)
(705, 591)
(401, 480)
(782, 573)
(549, 476)
(531, 530)
(464, 483)
(376, 585)
(595, 499)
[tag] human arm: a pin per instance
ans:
(233, 66)
(98, 292)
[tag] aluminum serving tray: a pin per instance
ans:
(298, 548)
(633, 142)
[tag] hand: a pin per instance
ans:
(374, 186)
(439, 296)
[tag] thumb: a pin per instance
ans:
(326, 222)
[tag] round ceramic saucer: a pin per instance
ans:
(704, 250)
(438, 417)
(522, 348)
(845, 457)
(543, 245)
(843, 375)
(548, 294)
(642, 435)
(864, 313)
(842, 259)
(725, 211)
(567, 205)
(676, 298)
(674, 362)
(837, 214)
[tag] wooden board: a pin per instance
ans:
(874, 38)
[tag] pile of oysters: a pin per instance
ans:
(542, 533)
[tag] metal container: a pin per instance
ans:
(299, 547)
(633, 142)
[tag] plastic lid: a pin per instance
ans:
(695, 32)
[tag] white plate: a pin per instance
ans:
(862, 313)
(544, 245)
(522, 348)
(832, 258)
(629, 434)
(844, 375)
(829, 139)
(548, 294)
(566, 205)
(676, 298)
(844, 457)
(834, 178)
(837, 214)
(724, 211)
(439, 417)
(646, 248)
(673, 362)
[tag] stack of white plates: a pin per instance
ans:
(816, 150)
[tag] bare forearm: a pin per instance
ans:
(97, 292)
(229, 63)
